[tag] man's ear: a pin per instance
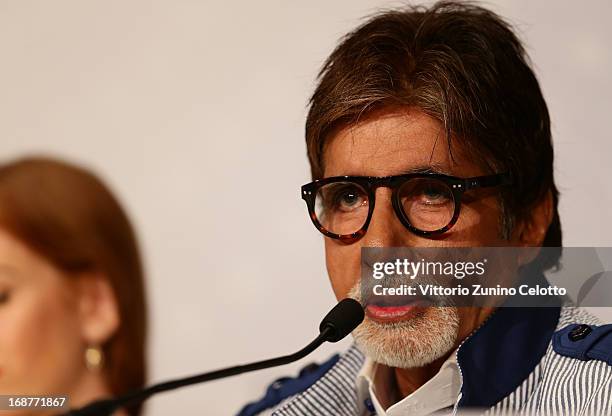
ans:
(533, 227)
(97, 308)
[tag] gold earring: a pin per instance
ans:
(94, 358)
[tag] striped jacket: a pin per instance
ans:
(544, 361)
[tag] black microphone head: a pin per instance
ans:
(342, 319)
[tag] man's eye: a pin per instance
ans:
(343, 197)
(432, 195)
(348, 199)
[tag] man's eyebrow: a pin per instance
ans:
(430, 168)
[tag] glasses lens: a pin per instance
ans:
(428, 204)
(342, 207)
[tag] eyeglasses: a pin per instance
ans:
(427, 204)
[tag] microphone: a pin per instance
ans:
(337, 324)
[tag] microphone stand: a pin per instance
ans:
(338, 323)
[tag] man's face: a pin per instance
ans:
(389, 143)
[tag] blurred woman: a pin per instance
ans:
(72, 304)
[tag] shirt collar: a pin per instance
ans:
(375, 384)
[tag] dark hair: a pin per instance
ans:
(69, 216)
(460, 64)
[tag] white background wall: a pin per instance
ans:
(194, 112)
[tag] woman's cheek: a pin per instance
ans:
(40, 336)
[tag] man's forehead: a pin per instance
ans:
(391, 143)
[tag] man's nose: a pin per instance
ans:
(385, 229)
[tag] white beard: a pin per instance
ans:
(412, 343)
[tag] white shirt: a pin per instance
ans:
(441, 391)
